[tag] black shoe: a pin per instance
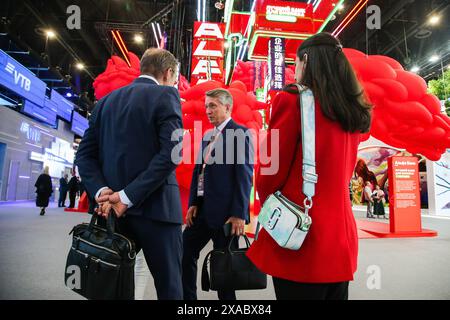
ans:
(42, 212)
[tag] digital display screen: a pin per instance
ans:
(45, 114)
(20, 80)
(79, 124)
(64, 106)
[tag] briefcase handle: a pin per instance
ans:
(247, 242)
(205, 275)
(110, 223)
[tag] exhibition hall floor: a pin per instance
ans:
(33, 251)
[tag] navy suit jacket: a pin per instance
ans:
(128, 146)
(227, 186)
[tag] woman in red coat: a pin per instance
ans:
(327, 260)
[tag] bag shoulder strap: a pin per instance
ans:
(308, 124)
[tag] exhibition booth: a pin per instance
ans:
(37, 129)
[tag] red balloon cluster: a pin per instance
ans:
(116, 75)
(404, 115)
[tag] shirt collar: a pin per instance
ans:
(223, 125)
(149, 77)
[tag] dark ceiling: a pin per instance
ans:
(405, 34)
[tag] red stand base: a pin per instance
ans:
(372, 229)
(83, 205)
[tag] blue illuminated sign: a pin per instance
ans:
(31, 133)
(64, 106)
(20, 80)
(49, 104)
(46, 115)
(79, 124)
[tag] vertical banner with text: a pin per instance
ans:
(207, 52)
(277, 65)
(404, 196)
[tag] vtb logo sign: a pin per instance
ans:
(19, 78)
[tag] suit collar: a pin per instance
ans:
(223, 125)
(146, 79)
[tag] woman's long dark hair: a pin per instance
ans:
(333, 81)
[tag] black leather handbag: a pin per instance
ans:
(100, 263)
(231, 270)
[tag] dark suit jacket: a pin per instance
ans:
(63, 185)
(227, 187)
(128, 146)
(72, 186)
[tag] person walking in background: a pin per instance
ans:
(378, 199)
(44, 190)
(327, 259)
(125, 161)
(63, 187)
(73, 189)
(367, 197)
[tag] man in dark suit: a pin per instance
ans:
(73, 189)
(63, 188)
(220, 188)
(125, 160)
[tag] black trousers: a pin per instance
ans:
(290, 290)
(72, 197)
(195, 239)
(163, 248)
(62, 198)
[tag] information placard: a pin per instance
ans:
(404, 195)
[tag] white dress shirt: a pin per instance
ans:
(221, 126)
(123, 197)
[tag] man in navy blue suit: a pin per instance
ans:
(220, 188)
(125, 160)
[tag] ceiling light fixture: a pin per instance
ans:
(138, 38)
(50, 34)
(434, 58)
(434, 20)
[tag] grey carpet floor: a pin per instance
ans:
(33, 251)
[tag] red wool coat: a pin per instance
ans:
(329, 252)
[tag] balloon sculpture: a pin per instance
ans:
(404, 115)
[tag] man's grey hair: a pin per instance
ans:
(223, 95)
(156, 61)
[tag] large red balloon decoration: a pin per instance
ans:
(404, 115)
(116, 75)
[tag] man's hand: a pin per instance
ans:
(104, 195)
(237, 225)
(113, 203)
(191, 214)
(118, 206)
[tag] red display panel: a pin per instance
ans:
(404, 195)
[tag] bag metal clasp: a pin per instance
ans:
(275, 216)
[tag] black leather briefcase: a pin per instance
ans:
(100, 264)
(231, 270)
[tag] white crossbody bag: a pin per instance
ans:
(285, 221)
